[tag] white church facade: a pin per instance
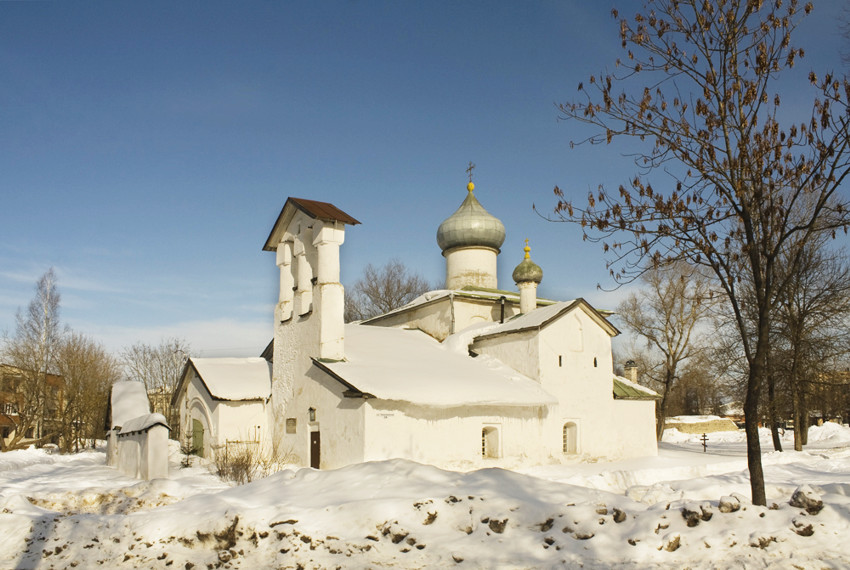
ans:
(463, 377)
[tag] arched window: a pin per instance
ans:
(490, 442)
(570, 438)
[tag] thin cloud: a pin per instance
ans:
(214, 337)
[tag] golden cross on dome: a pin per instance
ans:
(469, 170)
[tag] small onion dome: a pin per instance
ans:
(527, 271)
(470, 226)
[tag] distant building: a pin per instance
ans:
(20, 408)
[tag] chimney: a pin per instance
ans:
(631, 371)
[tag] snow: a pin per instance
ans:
(691, 419)
(684, 508)
(534, 319)
(235, 378)
(141, 423)
(409, 366)
(638, 387)
(129, 399)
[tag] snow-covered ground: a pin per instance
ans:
(669, 511)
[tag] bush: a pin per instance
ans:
(236, 461)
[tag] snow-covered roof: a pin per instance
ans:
(128, 400)
(409, 366)
(542, 316)
(142, 423)
(468, 292)
(234, 378)
(625, 389)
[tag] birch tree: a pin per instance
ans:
(32, 353)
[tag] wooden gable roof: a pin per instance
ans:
(317, 210)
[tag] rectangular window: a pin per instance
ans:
(560, 360)
(490, 445)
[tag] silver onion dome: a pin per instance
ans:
(470, 226)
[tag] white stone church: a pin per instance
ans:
(463, 377)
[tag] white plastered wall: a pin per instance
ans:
(473, 311)
(637, 437)
(144, 454)
(240, 421)
(476, 266)
(434, 318)
(571, 358)
(452, 437)
(222, 420)
(449, 314)
(338, 419)
(296, 334)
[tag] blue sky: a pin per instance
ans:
(147, 147)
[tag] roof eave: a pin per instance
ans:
(351, 390)
(288, 211)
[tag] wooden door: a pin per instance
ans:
(198, 438)
(315, 449)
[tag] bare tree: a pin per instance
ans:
(746, 195)
(382, 289)
(158, 368)
(33, 392)
(666, 313)
(811, 329)
(88, 372)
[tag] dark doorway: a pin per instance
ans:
(315, 449)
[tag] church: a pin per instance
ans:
(463, 377)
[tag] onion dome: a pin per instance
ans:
(527, 271)
(471, 226)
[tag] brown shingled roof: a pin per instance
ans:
(322, 210)
(313, 208)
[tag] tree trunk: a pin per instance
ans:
(661, 411)
(798, 419)
(771, 406)
(757, 373)
(804, 422)
(751, 426)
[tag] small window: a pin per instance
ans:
(570, 438)
(594, 362)
(490, 442)
(560, 360)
